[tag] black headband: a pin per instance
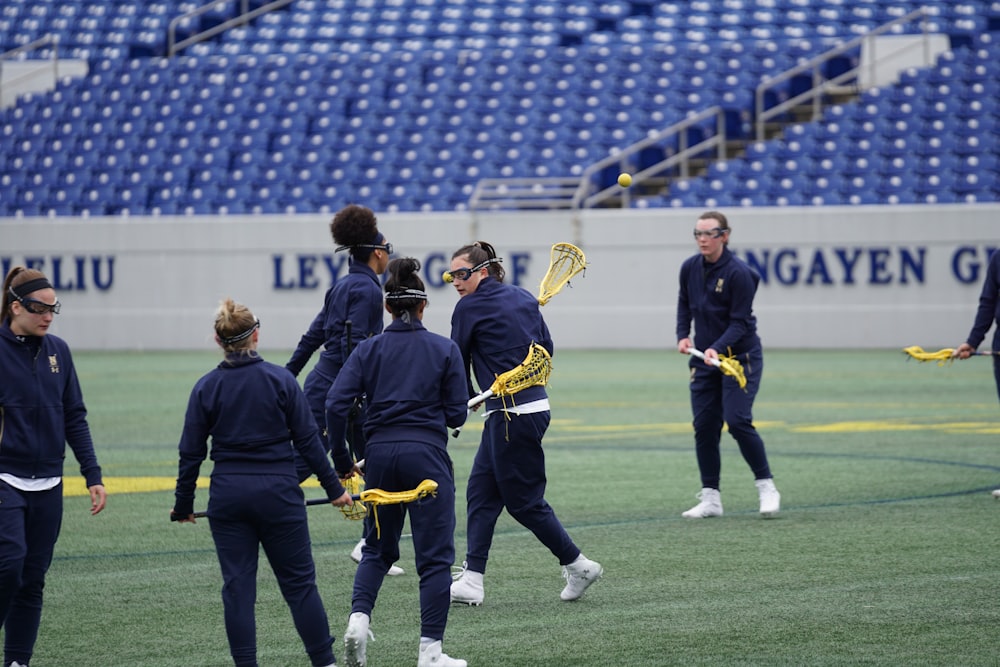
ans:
(406, 294)
(240, 336)
(26, 288)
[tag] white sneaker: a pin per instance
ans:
(17, 664)
(770, 499)
(710, 505)
(356, 639)
(394, 570)
(579, 575)
(431, 656)
(996, 494)
(467, 587)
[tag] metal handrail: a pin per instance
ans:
(245, 16)
(572, 192)
(44, 40)
(682, 157)
(822, 86)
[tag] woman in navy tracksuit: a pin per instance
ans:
(415, 385)
(41, 411)
(255, 414)
(356, 298)
(716, 292)
(494, 325)
(987, 314)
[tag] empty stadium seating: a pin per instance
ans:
(404, 105)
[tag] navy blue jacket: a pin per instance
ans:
(255, 412)
(718, 297)
(42, 409)
(356, 297)
(415, 385)
(989, 306)
(494, 327)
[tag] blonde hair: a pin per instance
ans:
(234, 326)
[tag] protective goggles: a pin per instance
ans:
(374, 246)
(464, 274)
(36, 307)
(713, 233)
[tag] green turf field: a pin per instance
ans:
(885, 552)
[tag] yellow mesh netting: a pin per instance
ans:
(566, 260)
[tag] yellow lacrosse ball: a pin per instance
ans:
(624, 179)
(447, 277)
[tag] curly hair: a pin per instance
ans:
(353, 226)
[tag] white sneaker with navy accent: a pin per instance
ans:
(710, 505)
(356, 640)
(579, 575)
(394, 570)
(770, 499)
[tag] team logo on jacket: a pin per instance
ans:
(53, 364)
(718, 285)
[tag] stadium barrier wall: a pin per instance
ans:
(831, 277)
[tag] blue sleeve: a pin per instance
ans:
(306, 439)
(683, 305)
(193, 449)
(311, 340)
(454, 393)
(987, 312)
(339, 401)
(461, 333)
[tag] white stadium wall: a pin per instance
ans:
(832, 277)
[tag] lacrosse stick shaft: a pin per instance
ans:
(309, 503)
(701, 355)
(473, 403)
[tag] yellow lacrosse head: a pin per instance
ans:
(733, 368)
(566, 260)
(533, 371)
(354, 485)
(376, 497)
(942, 356)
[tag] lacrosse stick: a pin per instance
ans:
(371, 497)
(942, 356)
(565, 262)
(728, 365)
(532, 372)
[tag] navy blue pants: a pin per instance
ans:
(509, 472)
(246, 512)
(29, 527)
(401, 467)
(717, 398)
(996, 369)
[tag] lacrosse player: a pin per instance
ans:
(415, 384)
(41, 411)
(255, 414)
(987, 313)
(494, 324)
(716, 293)
(352, 311)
